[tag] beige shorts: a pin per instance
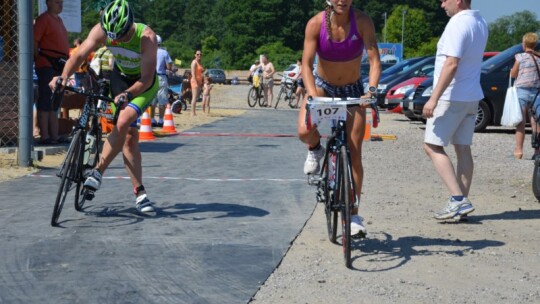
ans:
(452, 123)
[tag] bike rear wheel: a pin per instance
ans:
(252, 97)
(70, 173)
(292, 100)
(345, 191)
(536, 178)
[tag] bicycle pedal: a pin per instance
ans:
(89, 195)
(359, 235)
(314, 179)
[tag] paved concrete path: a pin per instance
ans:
(229, 207)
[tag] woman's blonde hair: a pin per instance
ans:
(530, 40)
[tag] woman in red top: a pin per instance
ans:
(197, 71)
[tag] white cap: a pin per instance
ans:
(158, 37)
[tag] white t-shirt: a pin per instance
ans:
(464, 37)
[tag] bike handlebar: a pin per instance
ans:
(59, 88)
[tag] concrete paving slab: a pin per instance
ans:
(229, 208)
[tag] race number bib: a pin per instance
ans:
(320, 113)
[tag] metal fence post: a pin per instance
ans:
(26, 92)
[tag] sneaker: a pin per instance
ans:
(93, 180)
(143, 204)
(154, 123)
(454, 208)
(312, 166)
(356, 225)
(160, 124)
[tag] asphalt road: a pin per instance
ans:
(231, 198)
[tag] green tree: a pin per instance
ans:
(414, 31)
(509, 30)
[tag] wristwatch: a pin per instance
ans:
(372, 90)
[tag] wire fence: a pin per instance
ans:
(9, 75)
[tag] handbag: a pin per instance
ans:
(512, 115)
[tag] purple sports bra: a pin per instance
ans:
(345, 50)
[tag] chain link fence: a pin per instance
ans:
(9, 74)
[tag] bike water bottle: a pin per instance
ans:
(90, 139)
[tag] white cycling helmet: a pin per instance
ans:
(158, 37)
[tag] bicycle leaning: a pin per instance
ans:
(288, 92)
(335, 183)
(84, 148)
(256, 93)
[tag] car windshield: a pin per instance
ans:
(400, 66)
(418, 66)
(496, 60)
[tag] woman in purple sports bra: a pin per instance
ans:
(338, 36)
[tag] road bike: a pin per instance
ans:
(335, 183)
(535, 143)
(256, 94)
(288, 92)
(84, 148)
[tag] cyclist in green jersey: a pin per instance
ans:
(134, 47)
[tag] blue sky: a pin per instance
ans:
(494, 9)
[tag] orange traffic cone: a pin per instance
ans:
(168, 123)
(397, 109)
(145, 131)
(367, 133)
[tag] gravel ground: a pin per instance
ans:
(408, 257)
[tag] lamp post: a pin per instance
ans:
(403, 12)
(384, 27)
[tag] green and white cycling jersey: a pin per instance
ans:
(127, 70)
(127, 55)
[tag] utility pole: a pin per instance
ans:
(385, 27)
(403, 12)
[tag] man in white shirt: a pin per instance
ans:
(452, 108)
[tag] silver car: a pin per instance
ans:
(217, 75)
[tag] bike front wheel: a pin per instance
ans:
(345, 194)
(70, 173)
(280, 94)
(252, 97)
(330, 196)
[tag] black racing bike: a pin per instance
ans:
(85, 146)
(335, 183)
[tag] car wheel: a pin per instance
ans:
(483, 117)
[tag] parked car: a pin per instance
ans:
(418, 69)
(217, 75)
(289, 72)
(396, 68)
(364, 68)
(494, 83)
(395, 95)
(398, 93)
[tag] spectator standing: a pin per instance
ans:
(197, 71)
(207, 87)
(134, 79)
(104, 61)
(253, 69)
(81, 77)
(163, 67)
(451, 110)
(300, 90)
(268, 82)
(51, 45)
(527, 85)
